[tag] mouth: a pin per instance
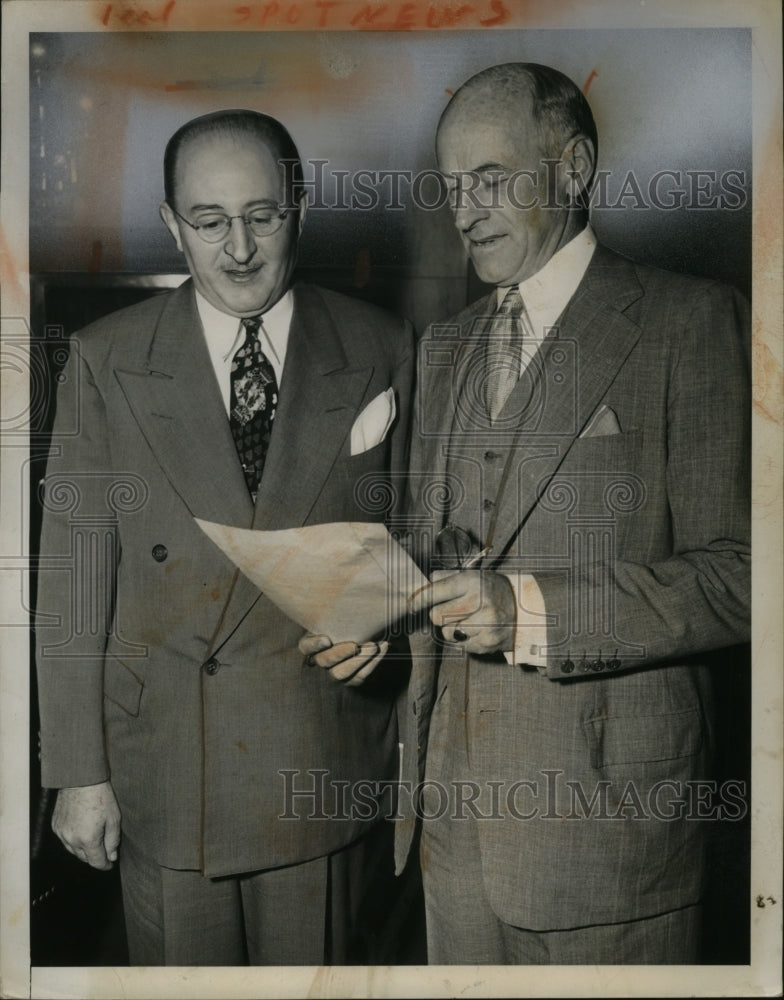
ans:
(484, 242)
(242, 275)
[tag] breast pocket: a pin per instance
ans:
(607, 452)
(598, 477)
(366, 477)
(370, 458)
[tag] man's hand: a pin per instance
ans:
(348, 662)
(474, 608)
(87, 821)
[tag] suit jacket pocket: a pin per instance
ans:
(367, 479)
(371, 458)
(616, 448)
(601, 474)
(122, 686)
(636, 739)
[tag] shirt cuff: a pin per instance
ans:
(531, 623)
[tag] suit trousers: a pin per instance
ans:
(315, 913)
(462, 927)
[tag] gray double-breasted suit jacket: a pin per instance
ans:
(163, 669)
(639, 538)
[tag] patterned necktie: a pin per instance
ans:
(504, 351)
(254, 399)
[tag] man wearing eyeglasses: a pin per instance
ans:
(586, 425)
(242, 400)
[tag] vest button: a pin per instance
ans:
(488, 504)
(159, 553)
(490, 456)
(211, 667)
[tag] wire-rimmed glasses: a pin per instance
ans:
(213, 227)
(456, 549)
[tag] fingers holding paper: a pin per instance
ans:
(473, 608)
(350, 663)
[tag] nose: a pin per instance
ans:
(240, 244)
(467, 209)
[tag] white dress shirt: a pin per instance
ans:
(224, 335)
(545, 295)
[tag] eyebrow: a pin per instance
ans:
(266, 202)
(482, 168)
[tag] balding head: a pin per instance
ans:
(518, 94)
(235, 124)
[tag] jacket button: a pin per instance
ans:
(613, 664)
(159, 552)
(567, 666)
(488, 504)
(490, 456)
(212, 666)
(584, 665)
(598, 664)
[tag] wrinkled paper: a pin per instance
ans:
(348, 580)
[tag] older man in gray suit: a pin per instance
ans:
(588, 422)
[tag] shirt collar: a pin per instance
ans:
(547, 292)
(224, 332)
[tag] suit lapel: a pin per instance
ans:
(469, 406)
(572, 373)
(320, 395)
(176, 401)
(442, 352)
(452, 358)
(318, 401)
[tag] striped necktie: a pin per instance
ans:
(504, 347)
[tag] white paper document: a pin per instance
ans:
(348, 580)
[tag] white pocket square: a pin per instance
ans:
(372, 425)
(603, 423)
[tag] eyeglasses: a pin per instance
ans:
(455, 549)
(213, 227)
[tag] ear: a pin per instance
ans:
(303, 211)
(580, 159)
(172, 223)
